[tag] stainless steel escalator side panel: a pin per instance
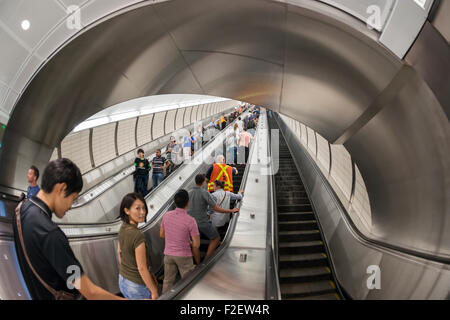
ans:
(239, 272)
(252, 232)
(99, 260)
(12, 283)
(403, 154)
(230, 279)
(6, 231)
(403, 276)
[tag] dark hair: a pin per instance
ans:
(181, 198)
(36, 171)
(158, 150)
(240, 118)
(220, 183)
(140, 150)
(199, 179)
(62, 171)
(127, 202)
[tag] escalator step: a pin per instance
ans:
(294, 208)
(308, 235)
(283, 196)
(302, 260)
(286, 191)
(292, 201)
(326, 296)
(305, 274)
(289, 185)
(283, 188)
(287, 177)
(297, 225)
(285, 173)
(302, 247)
(296, 216)
(291, 194)
(298, 290)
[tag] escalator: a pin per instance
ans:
(304, 269)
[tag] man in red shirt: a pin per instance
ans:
(177, 228)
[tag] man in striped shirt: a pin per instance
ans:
(159, 164)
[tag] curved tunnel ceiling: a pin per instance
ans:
(316, 65)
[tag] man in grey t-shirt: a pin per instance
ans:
(199, 200)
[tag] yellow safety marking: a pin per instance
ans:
(320, 242)
(332, 284)
(324, 255)
(223, 171)
(337, 296)
(328, 269)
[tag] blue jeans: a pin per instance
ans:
(141, 185)
(133, 291)
(231, 155)
(157, 179)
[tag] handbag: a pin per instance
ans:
(59, 295)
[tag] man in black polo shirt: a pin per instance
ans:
(46, 245)
(141, 173)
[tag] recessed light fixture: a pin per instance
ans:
(26, 25)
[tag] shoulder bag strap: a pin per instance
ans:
(224, 196)
(22, 243)
(59, 295)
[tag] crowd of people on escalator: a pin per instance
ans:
(203, 212)
(162, 166)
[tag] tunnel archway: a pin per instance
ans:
(316, 65)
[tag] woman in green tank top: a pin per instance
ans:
(135, 280)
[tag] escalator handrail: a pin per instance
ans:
(196, 274)
(273, 289)
(378, 244)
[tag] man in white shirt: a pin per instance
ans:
(222, 199)
(240, 123)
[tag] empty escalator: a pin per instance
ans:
(304, 271)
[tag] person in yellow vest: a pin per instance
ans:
(220, 171)
(223, 122)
